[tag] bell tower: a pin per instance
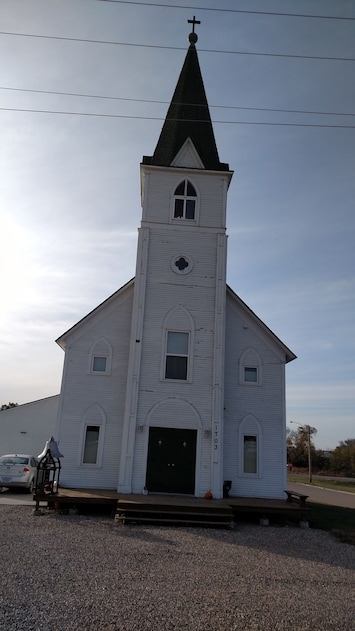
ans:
(175, 378)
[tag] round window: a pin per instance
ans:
(181, 264)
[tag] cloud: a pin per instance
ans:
(70, 193)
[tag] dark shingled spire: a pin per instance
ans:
(188, 117)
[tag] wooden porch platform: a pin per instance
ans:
(174, 509)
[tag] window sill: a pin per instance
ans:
(183, 220)
(250, 383)
(87, 465)
(99, 374)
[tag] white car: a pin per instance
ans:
(18, 471)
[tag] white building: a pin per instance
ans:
(25, 428)
(173, 383)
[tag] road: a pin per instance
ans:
(17, 499)
(324, 496)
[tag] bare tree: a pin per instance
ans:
(7, 406)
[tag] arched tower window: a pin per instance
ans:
(178, 333)
(185, 200)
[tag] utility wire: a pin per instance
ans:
(131, 100)
(159, 118)
(203, 50)
(179, 6)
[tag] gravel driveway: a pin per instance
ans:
(67, 572)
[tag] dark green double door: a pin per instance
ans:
(171, 460)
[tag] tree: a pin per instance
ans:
(321, 460)
(7, 406)
(342, 458)
(300, 449)
(296, 453)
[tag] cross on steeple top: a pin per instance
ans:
(193, 36)
(193, 22)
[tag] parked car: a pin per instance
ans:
(18, 471)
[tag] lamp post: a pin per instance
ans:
(308, 430)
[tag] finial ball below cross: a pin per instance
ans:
(193, 36)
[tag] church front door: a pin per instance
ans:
(171, 460)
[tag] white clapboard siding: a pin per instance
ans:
(264, 402)
(192, 298)
(159, 406)
(82, 389)
(160, 188)
(26, 428)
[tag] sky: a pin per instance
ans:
(76, 117)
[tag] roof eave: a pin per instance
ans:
(61, 341)
(289, 355)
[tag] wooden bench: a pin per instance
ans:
(297, 497)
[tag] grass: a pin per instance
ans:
(335, 485)
(340, 522)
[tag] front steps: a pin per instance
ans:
(174, 515)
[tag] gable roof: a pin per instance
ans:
(62, 340)
(188, 117)
(19, 406)
(289, 355)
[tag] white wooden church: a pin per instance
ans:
(173, 385)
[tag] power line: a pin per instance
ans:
(159, 118)
(132, 100)
(175, 6)
(203, 50)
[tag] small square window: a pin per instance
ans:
(99, 364)
(251, 374)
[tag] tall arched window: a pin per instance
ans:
(177, 345)
(177, 355)
(250, 447)
(92, 436)
(185, 199)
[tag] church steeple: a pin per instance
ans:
(188, 117)
(176, 352)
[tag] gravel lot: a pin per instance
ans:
(68, 572)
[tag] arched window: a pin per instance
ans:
(177, 345)
(92, 436)
(185, 199)
(100, 358)
(250, 447)
(250, 368)
(177, 355)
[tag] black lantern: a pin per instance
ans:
(48, 469)
(227, 485)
